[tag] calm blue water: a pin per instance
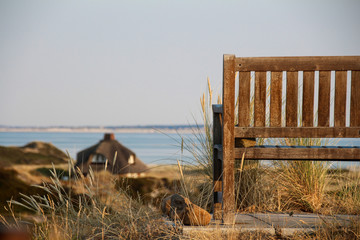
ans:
(154, 148)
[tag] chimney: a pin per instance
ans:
(109, 136)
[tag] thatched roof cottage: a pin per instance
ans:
(120, 159)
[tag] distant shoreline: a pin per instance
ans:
(141, 129)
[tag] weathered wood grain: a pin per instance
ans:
(324, 98)
(275, 99)
(291, 98)
(244, 99)
(340, 99)
(297, 132)
(355, 99)
(308, 99)
(335, 63)
(228, 138)
(319, 154)
(260, 99)
(228, 151)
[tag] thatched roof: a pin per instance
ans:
(108, 147)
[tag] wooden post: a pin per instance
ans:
(228, 138)
(217, 160)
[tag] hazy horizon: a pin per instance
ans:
(103, 126)
(87, 62)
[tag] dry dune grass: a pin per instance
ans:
(92, 208)
(25, 172)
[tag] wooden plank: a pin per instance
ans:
(324, 98)
(340, 99)
(275, 99)
(244, 99)
(217, 162)
(355, 99)
(319, 154)
(337, 63)
(260, 99)
(308, 99)
(297, 132)
(291, 98)
(228, 138)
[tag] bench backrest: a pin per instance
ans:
(346, 71)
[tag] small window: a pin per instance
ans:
(98, 158)
(131, 159)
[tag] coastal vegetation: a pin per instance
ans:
(104, 206)
(107, 206)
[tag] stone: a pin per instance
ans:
(166, 205)
(178, 207)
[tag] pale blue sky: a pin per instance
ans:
(101, 62)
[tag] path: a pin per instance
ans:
(273, 222)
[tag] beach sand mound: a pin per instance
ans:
(44, 148)
(11, 187)
(31, 153)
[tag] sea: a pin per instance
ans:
(151, 148)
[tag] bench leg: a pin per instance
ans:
(228, 205)
(217, 178)
(217, 164)
(228, 142)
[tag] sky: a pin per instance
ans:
(102, 62)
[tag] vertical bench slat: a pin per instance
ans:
(228, 141)
(355, 99)
(324, 98)
(308, 99)
(260, 99)
(291, 98)
(244, 99)
(275, 99)
(340, 99)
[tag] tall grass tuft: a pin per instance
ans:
(200, 147)
(344, 191)
(301, 184)
(199, 167)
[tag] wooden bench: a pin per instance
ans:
(225, 132)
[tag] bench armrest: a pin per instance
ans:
(217, 108)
